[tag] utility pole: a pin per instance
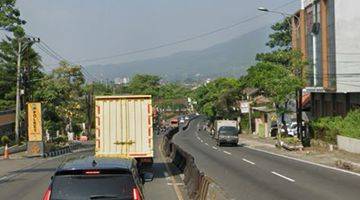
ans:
(17, 109)
(21, 47)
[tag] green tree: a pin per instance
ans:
(278, 74)
(218, 98)
(144, 84)
(281, 37)
(30, 71)
(62, 94)
(30, 68)
(10, 17)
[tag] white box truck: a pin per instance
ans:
(226, 132)
(124, 127)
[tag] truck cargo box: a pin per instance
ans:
(124, 126)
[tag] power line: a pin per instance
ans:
(202, 35)
(52, 53)
(56, 57)
(83, 68)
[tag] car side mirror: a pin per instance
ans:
(147, 176)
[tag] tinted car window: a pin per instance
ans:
(228, 130)
(71, 187)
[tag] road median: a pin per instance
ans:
(198, 185)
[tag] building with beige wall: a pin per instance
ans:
(327, 32)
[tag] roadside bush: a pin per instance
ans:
(291, 140)
(351, 125)
(328, 128)
(60, 140)
(5, 140)
(244, 123)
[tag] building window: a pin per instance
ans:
(313, 35)
(331, 43)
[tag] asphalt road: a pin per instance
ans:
(245, 173)
(31, 182)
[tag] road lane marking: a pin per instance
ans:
(284, 177)
(176, 188)
(248, 161)
(227, 152)
(206, 144)
(305, 161)
(201, 140)
(198, 138)
(175, 184)
(214, 148)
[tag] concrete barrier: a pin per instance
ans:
(14, 149)
(198, 185)
(58, 152)
(348, 144)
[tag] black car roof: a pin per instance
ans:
(91, 162)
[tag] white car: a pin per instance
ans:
(291, 128)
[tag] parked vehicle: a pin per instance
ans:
(181, 120)
(174, 123)
(291, 129)
(124, 127)
(97, 178)
(226, 132)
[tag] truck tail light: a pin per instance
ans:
(136, 194)
(47, 194)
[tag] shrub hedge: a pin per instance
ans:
(327, 128)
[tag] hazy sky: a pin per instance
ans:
(87, 29)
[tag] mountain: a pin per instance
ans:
(230, 58)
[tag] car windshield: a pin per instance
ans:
(228, 130)
(78, 187)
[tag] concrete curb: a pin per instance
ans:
(58, 152)
(14, 149)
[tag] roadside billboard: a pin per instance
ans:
(34, 122)
(244, 106)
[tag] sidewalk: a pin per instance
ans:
(17, 162)
(336, 158)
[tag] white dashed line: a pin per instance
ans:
(198, 138)
(206, 144)
(284, 177)
(248, 161)
(201, 140)
(175, 183)
(227, 152)
(214, 148)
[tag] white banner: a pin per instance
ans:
(244, 106)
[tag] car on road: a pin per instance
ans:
(97, 178)
(228, 135)
(182, 120)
